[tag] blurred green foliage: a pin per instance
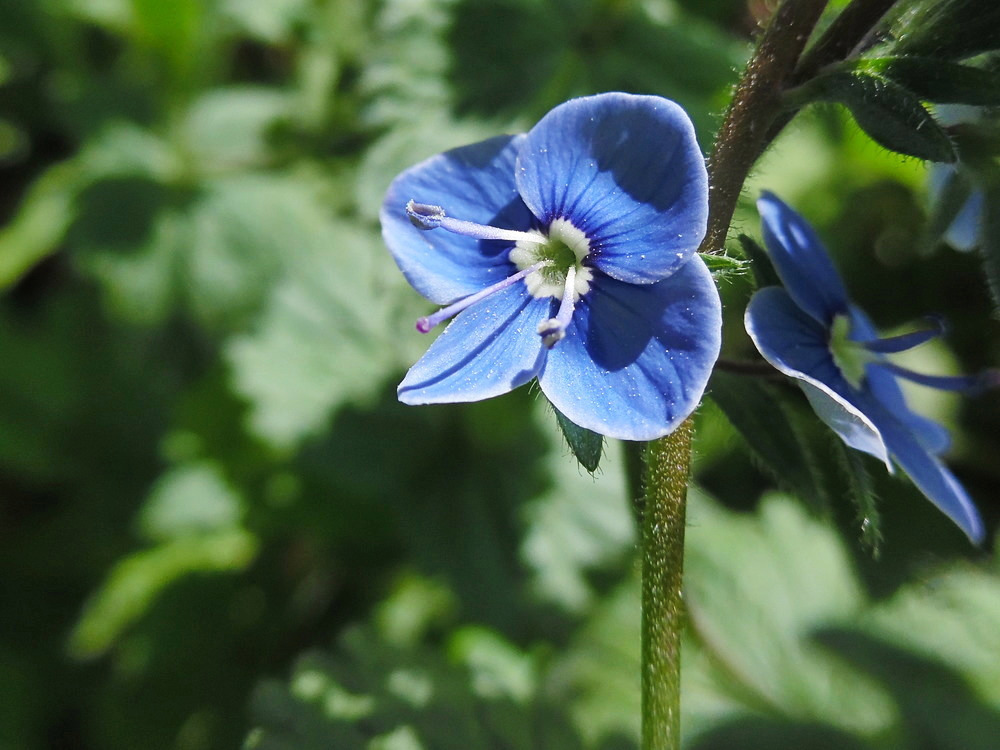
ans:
(216, 522)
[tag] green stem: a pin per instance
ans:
(668, 462)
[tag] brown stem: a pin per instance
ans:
(755, 104)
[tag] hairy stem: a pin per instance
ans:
(846, 32)
(755, 104)
(668, 462)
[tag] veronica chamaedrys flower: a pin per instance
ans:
(810, 330)
(566, 254)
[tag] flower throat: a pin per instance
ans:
(551, 265)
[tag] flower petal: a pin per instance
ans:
(932, 477)
(474, 183)
(488, 349)
(796, 344)
(801, 260)
(636, 359)
(627, 171)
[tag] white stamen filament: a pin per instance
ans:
(427, 216)
(553, 330)
(425, 324)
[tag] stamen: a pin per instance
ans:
(906, 341)
(553, 330)
(426, 216)
(970, 384)
(425, 324)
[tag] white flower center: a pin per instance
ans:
(564, 247)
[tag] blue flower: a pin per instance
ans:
(566, 254)
(810, 330)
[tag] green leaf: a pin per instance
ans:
(135, 582)
(946, 28)
(990, 234)
(188, 500)
(889, 113)
(600, 668)
(951, 616)
(585, 444)
(756, 588)
(762, 415)
(580, 526)
(172, 29)
(332, 331)
(52, 206)
(229, 127)
(42, 219)
(272, 21)
(367, 695)
(934, 79)
(933, 647)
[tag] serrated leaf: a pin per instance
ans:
(889, 113)
(585, 444)
(952, 616)
(327, 335)
(228, 127)
(761, 415)
(786, 574)
(935, 79)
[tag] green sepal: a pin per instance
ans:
(763, 270)
(861, 492)
(891, 114)
(725, 265)
(934, 79)
(585, 444)
(946, 28)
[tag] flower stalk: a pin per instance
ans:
(668, 462)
